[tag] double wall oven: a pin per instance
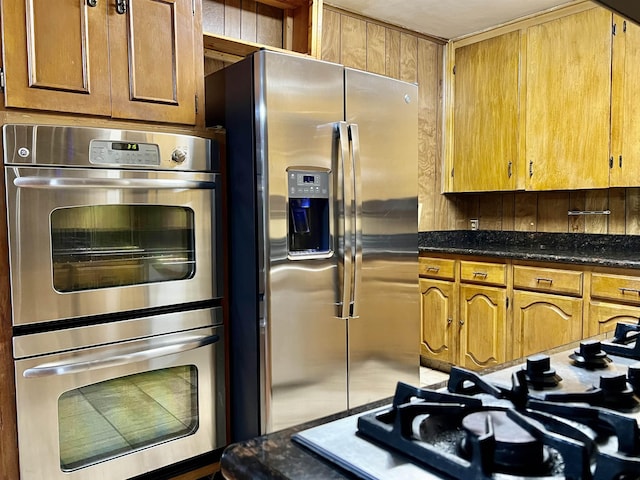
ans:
(116, 299)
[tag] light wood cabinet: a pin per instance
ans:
(124, 59)
(486, 113)
(437, 311)
(568, 98)
(542, 321)
(482, 330)
(463, 313)
(625, 122)
(603, 317)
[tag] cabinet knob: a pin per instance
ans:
(121, 6)
(461, 322)
(92, 3)
(449, 321)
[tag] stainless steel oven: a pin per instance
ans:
(115, 400)
(118, 335)
(103, 221)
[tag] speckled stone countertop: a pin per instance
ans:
(621, 251)
(276, 456)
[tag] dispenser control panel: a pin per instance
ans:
(308, 184)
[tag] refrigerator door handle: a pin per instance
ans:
(344, 197)
(357, 218)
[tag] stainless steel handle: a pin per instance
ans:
(543, 279)
(624, 290)
(433, 269)
(344, 196)
(120, 356)
(480, 274)
(117, 183)
(357, 218)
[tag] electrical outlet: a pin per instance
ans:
(474, 223)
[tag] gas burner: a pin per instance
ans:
(516, 451)
(590, 356)
(618, 393)
(539, 373)
(633, 376)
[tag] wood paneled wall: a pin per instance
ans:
(376, 47)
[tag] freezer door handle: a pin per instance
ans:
(344, 201)
(357, 218)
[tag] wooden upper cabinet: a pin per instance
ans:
(56, 56)
(568, 98)
(121, 58)
(625, 122)
(485, 150)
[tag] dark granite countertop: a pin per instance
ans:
(276, 456)
(620, 251)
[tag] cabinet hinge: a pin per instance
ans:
(507, 302)
(1, 79)
(452, 172)
(610, 162)
(624, 26)
(196, 103)
(454, 69)
(193, 8)
(614, 28)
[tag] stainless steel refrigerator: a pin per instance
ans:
(322, 237)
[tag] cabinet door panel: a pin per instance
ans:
(603, 317)
(543, 321)
(568, 102)
(56, 56)
(625, 123)
(485, 148)
(152, 63)
(482, 326)
(436, 313)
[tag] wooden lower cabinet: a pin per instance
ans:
(482, 334)
(542, 321)
(437, 327)
(603, 317)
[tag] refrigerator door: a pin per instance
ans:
(299, 104)
(383, 331)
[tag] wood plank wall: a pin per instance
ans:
(363, 43)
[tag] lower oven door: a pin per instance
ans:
(120, 410)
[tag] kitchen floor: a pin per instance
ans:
(429, 376)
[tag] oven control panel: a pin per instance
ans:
(106, 152)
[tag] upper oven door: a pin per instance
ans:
(94, 241)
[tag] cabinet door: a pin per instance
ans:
(437, 330)
(625, 122)
(603, 317)
(152, 61)
(56, 56)
(486, 103)
(482, 326)
(568, 102)
(542, 321)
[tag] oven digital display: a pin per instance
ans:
(133, 147)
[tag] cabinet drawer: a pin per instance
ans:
(615, 287)
(567, 282)
(436, 267)
(481, 272)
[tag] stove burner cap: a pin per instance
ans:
(590, 356)
(516, 451)
(539, 373)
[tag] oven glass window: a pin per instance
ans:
(103, 246)
(120, 416)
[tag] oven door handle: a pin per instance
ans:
(135, 351)
(117, 183)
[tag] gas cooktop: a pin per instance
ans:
(571, 415)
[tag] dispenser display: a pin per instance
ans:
(308, 232)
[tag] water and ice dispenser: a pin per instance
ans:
(308, 212)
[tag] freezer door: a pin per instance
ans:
(299, 103)
(384, 329)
